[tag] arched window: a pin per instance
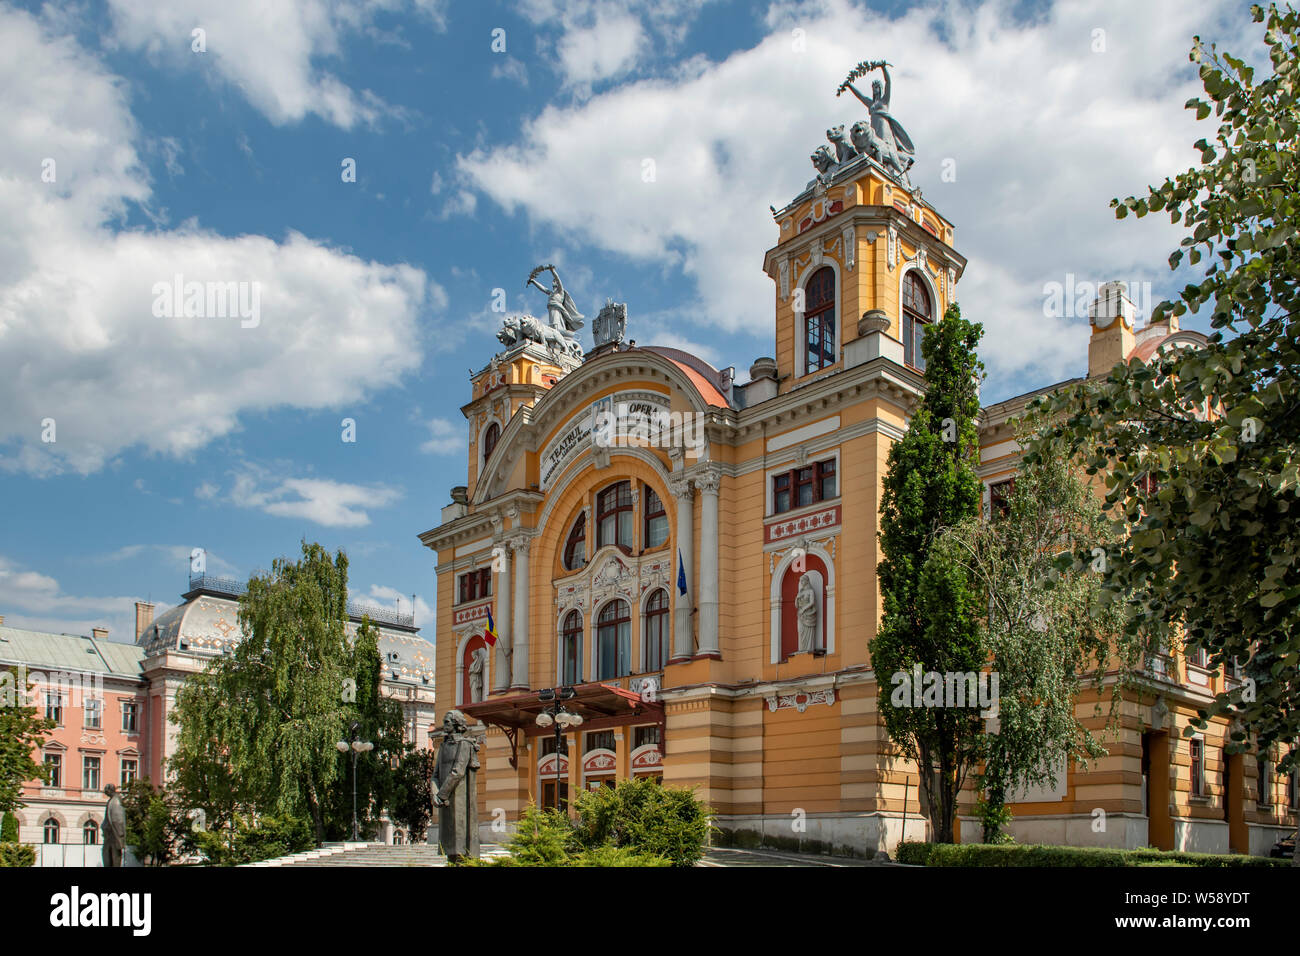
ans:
(656, 520)
(819, 320)
(51, 830)
(571, 649)
(656, 630)
(614, 516)
(90, 833)
(613, 641)
(490, 440)
(575, 549)
(916, 316)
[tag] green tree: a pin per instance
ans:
(9, 828)
(22, 734)
(272, 712)
(412, 805)
(1201, 448)
(156, 828)
(930, 601)
(1044, 630)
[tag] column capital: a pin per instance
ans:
(708, 480)
(518, 541)
(679, 486)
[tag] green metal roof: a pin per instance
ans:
(69, 652)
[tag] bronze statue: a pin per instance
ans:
(455, 789)
(114, 828)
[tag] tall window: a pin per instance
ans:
(1264, 777)
(1000, 498)
(804, 486)
(1198, 767)
(54, 768)
(656, 519)
(571, 648)
(475, 584)
(130, 770)
(90, 773)
(490, 440)
(1293, 791)
(613, 641)
(575, 549)
(94, 714)
(614, 516)
(916, 316)
(51, 830)
(90, 833)
(645, 735)
(54, 707)
(656, 630)
(130, 716)
(819, 320)
(599, 740)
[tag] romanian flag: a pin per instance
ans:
(490, 630)
(681, 573)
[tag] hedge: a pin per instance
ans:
(984, 854)
(17, 854)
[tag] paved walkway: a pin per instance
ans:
(719, 856)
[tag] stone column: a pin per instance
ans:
(519, 632)
(501, 664)
(682, 630)
(708, 483)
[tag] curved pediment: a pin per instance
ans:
(656, 392)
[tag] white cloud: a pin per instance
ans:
(77, 297)
(271, 50)
(508, 68)
(462, 204)
(35, 601)
(383, 596)
(445, 438)
(1043, 132)
(605, 50)
(334, 504)
(179, 554)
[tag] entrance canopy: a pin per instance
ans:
(600, 705)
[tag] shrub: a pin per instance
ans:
(984, 854)
(9, 829)
(607, 855)
(542, 838)
(17, 854)
(913, 853)
(647, 817)
(249, 841)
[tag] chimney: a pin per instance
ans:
(143, 618)
(2, 620)
(1111, 316)
(100, 633)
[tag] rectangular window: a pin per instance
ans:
(548, 744)
(1198, 767)
(54, 707)
(1264, 778)
(1000, 498)
(656, 520)
(54, 767)
(474, 585)
(804, 486)
(600, 740)
(89, 773)
(645, 735)
(130, 769)
(1292, 791)
(1198, 657)
(94, 714)
(130, 716)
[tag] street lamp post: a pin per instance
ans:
(358, 746)
(561, 718)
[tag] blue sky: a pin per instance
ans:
(474, 164)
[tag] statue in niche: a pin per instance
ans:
(477, 667)
(805, 602)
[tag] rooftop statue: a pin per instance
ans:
(888, 141)
(560, 307)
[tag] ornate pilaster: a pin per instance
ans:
(501, 668)
(708, 483)
(680, 488)
(519, 545)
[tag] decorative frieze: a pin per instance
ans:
(801, 700)
(813, 521)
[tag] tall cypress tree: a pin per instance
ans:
(931, 603)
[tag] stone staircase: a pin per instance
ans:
(373, 854)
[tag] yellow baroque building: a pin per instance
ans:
(697, 559)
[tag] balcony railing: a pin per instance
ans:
(233, 587)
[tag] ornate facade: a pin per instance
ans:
(697, 559)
